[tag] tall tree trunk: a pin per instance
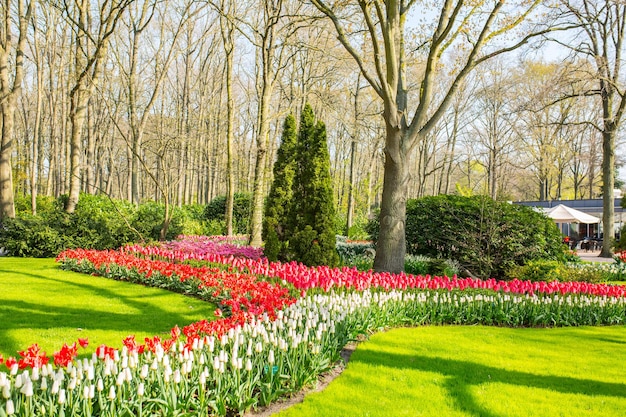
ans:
(37, 142)
(391, 244)
(7, 206)
(9, 92)
(227, 37)
(258, 190)
(608, 183)
(350, 214)
(78, 114)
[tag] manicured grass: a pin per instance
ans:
(39, 303)
(480, 371)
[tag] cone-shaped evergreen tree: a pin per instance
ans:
(312, 211)
(279, 198)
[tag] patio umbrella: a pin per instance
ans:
(564, 214)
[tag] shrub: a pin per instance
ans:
(97, 223)
(542, 270)
(279, 198)
(216, 210)
(416, 264)
(539, 270)
(486, 237)
(311, 215)
(31, 236)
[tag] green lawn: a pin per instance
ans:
(480, 371)
(39, 303)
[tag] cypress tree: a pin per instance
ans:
(312, 211)
(279, 198)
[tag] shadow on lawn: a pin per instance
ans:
(461, 375)
(25, 314)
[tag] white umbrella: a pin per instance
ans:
(564, 214)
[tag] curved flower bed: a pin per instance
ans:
(306, 278)
(242, 294)
(269, 343)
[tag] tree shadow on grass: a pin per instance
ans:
(462, 375)
(31, 315)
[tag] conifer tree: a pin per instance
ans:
(279, 198)
(312, 210)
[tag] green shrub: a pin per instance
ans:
(543, 270)
(44, 204)
(216, 210)
(358, 231)
(311, 216)
(279, 199)
(539, 270)
(30, 236)
(591, 275)
(416, 264)
(423, 265)
(486, 237)
(97, 223)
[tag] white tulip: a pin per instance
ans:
(10, 408)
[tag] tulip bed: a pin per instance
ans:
(281, 326)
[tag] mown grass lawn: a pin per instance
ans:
(480, 371)
(40, 303)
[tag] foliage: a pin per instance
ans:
(311, 217)
(486, 237)
(97, 223)
(27, 235)
(538, 270)
(216, 211)
(349, 248)
(358, 230)
(543, 270)
(423, 265)
(279, 198)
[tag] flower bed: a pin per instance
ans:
(268, 344)
(325, 278)
(218, 245)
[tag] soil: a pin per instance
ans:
(298, 397)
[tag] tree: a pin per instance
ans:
(279, 198)
(92, 39)
(227, 28)
(312, 210)
(10, 87)
(493, 126)
(475, 30)
(270, 34)
(600, 40)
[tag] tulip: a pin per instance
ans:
(111, 395)
(10, 408)
(61, 399)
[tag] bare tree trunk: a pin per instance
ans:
(9, 90)
(351, 183)
(391, 244)
(608, 183)
(7, 207)
(78, 113)
(227, 38)
(258, 190)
